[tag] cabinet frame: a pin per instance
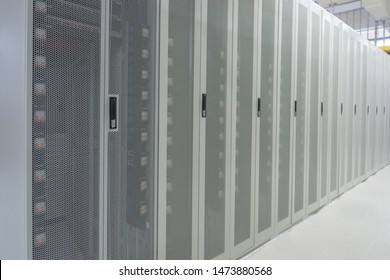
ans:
(239, 249)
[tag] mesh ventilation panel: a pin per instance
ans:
(130, 148)
(66, 124)
(180, 136)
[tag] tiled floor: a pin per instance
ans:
(354, 226)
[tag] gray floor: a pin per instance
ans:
(354, 226)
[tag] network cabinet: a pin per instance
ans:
(179, 129)
(89, 88)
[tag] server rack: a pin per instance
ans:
(343, 118)
(65, 129)
(301, 110)
(214, 222)
(374, 100)
(373, 110)
(130, 73)
(349, 106)
(246, 109)
(264, 224)
(325, 118)
(386, 91)
(370, 86)
(366, 108)
(75, 100)
(315, 108)
(378, 103)
(357, 114)
(382, 112)
(363, 112)
(285, 115)
(334, 111)
(179, 116)
(180, 129)
(352, 97)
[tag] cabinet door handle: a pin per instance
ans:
(204, 105)
(113, 113)
(368, 110)
(355, 109)
(322, 108)
(259, 107)
(295, 108)
(341, 108)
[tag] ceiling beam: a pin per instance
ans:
(343, 8)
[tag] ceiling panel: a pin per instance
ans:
(326, 3)
(379, 9)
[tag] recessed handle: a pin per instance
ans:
(322, 108)
(341, 108)
(355, 110)
(368, 110)
(204, 105)
(259, 107)
(377, 110)
(295, 108)
(113, 113)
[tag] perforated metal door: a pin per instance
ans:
(131, 145)
(243, 118)
(325, 117)
(216, 140)
(314, 110)
(364, 114)
(179, 126)
(66, 125)
(357, 119)
(285, 114)
(334, 92)
(267, 121)
(300, 142)
(349, 109)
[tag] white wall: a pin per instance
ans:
(13, 130)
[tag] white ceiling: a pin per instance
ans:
(326, 3)
(379, 9)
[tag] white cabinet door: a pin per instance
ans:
(314, 108)
(244, 113)
(334, 110)
(179, 129)
(265, 210)
(214, 184)
(325, 119)
(301, 111)
(285, 114)
(131, 77)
